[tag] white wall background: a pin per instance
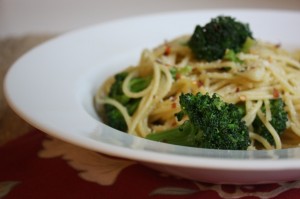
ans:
(20, 17)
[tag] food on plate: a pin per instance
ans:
(218, 88)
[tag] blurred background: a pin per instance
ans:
(20, 17)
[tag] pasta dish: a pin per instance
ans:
(257, 78)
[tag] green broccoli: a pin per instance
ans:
(221, 33)
(278, 120)
(180, 71)
(212, 124)
(112, 116)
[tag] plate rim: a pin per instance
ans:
(281, 163)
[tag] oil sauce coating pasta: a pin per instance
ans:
(256, 78)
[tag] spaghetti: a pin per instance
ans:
(264, 72)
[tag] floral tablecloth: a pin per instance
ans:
(37, 166)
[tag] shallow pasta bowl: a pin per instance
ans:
(53, 85)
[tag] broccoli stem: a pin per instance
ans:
(182, 135)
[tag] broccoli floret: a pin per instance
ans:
(112, 115)
(221, 33)
(278, 120)
(212, 124)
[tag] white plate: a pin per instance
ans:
(52, 87)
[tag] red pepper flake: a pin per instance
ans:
(199, 83)
(276, 93)
(177, 76)
(174, 105)
(167, 50)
